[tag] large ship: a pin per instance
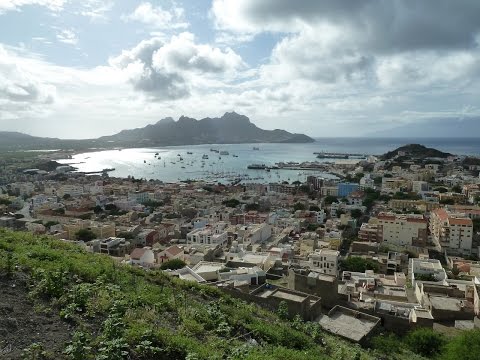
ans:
(257, 166)
(223, 152)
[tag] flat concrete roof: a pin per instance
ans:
(347, 325)
(287, 296)
(445, 303)
(207, 267)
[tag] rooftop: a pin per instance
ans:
(349, 324)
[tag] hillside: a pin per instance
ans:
(231, 128)
(416, 151)
(60, 302)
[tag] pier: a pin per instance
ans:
(333, 155)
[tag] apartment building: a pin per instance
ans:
(101, 230)
(370, 233)
(70, 189)
(393, 185)
(215, 234)
(325, 261)
(453, 231)
(402, 229)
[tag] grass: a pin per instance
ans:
(120, 312)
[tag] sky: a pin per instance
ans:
(87, 68)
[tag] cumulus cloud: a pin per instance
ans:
(157, 17)
(332, 41)
(16, 5)
(385, 25)
(96, 10)
(168, 70)
(17, 85)
(67, 36)
(363, 59)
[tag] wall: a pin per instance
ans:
(327, 291)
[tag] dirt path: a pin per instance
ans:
(21, 326)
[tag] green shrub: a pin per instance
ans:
(465, 346)
(173, 264)
(425, 342)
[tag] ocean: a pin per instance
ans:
(175, 163)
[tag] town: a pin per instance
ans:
(393, 242)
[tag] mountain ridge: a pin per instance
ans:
(229, 128)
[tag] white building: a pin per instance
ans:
(367, 182)
(325, 261)
(70, 189)
(452, 231)
(419, 186)
(215, 234)
(258, 233)
(143, 257)
(402, 230)
(425, 267)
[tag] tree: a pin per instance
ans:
(48, 224)
(111, 207)
(282, 310)
(465, 346)
(66, 196)
(456, 189)
(252, 207)
(355, 213)
(447, 202)
(312, 227)
(330, 199)
(173, 264)
(296, 183)
(476, 225)
(299, 206)
(441, 189)
(358, 264)
(4, 201)
(85, 235)
(426, 342)
(232, 203)
(314, 208)
(97, 209)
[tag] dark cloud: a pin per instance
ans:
(382, 25)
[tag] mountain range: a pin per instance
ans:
(231, 128)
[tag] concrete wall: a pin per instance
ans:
(304, 309)
(327, 291)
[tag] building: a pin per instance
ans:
(72, 190)
(367, 182)
(345, 189)
(101, 230)
(420, 269)
(370, 233)
(325, 261)
(143, 257)
(419, 186)
(258, 233)
(393, 185)
(115, 246)
(403, 229)
(209, 235)
(315, 181)
(452, 231)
